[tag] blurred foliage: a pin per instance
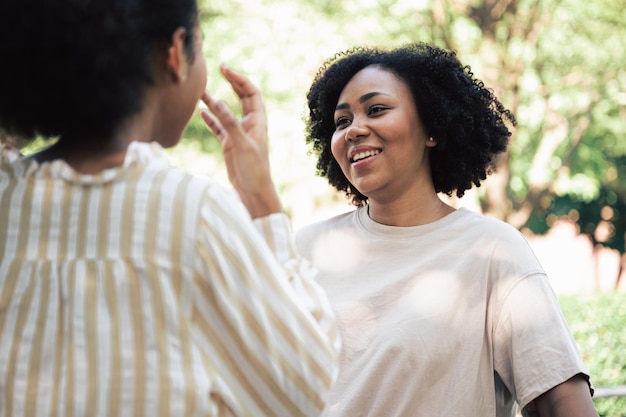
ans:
(554, 63)
(557, 64)
(597, 322)
(602, 218)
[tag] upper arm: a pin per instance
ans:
(572, 398)
(534, 350)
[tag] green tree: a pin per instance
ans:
(557, 64)
(561, 71)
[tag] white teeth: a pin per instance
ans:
(363, 155)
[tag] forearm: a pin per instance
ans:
(261, 201)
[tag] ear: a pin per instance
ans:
(177, 63)
(431, 142)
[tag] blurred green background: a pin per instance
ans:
(559, 65)
(598, 322)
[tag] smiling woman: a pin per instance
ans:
(443, 311)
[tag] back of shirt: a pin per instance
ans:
(145, 291)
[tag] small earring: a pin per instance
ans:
(430, 139)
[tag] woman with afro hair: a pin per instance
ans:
(129, 287)
(443, 312)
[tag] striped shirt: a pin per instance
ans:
(145, 291)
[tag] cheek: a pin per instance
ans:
(337, 146)
(202, 79)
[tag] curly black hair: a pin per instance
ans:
(466, 119)
(75, 66)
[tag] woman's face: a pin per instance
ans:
(379, 140)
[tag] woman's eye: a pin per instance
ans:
(376, 109)
(341, 121)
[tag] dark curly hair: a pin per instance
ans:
(75, 66)
(465, 118)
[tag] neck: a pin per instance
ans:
(409, 213)
(86, 160)
(89, 154)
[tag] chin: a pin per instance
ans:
(171, 143)
(168, 141)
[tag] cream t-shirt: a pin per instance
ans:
(452, 318)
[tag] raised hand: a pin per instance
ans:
(244, 144)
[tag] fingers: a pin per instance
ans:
(222, 121)
(248, 93)
(241, 85)
(213, 124)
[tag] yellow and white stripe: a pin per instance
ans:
(144, 291)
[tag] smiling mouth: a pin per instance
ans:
(363, 155)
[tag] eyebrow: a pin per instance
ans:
(362, 99)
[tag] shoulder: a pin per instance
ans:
(176, 182)
(11, 162)
(479, 226)
(198, 202)
(504, 248)
(339, 221)
(8, 154)
(307, 235)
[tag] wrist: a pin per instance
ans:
(262, 202)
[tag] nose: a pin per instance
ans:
(355, 132)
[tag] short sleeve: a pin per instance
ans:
(533, 347)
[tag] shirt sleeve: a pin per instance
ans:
(267, 328)
(533, 347)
